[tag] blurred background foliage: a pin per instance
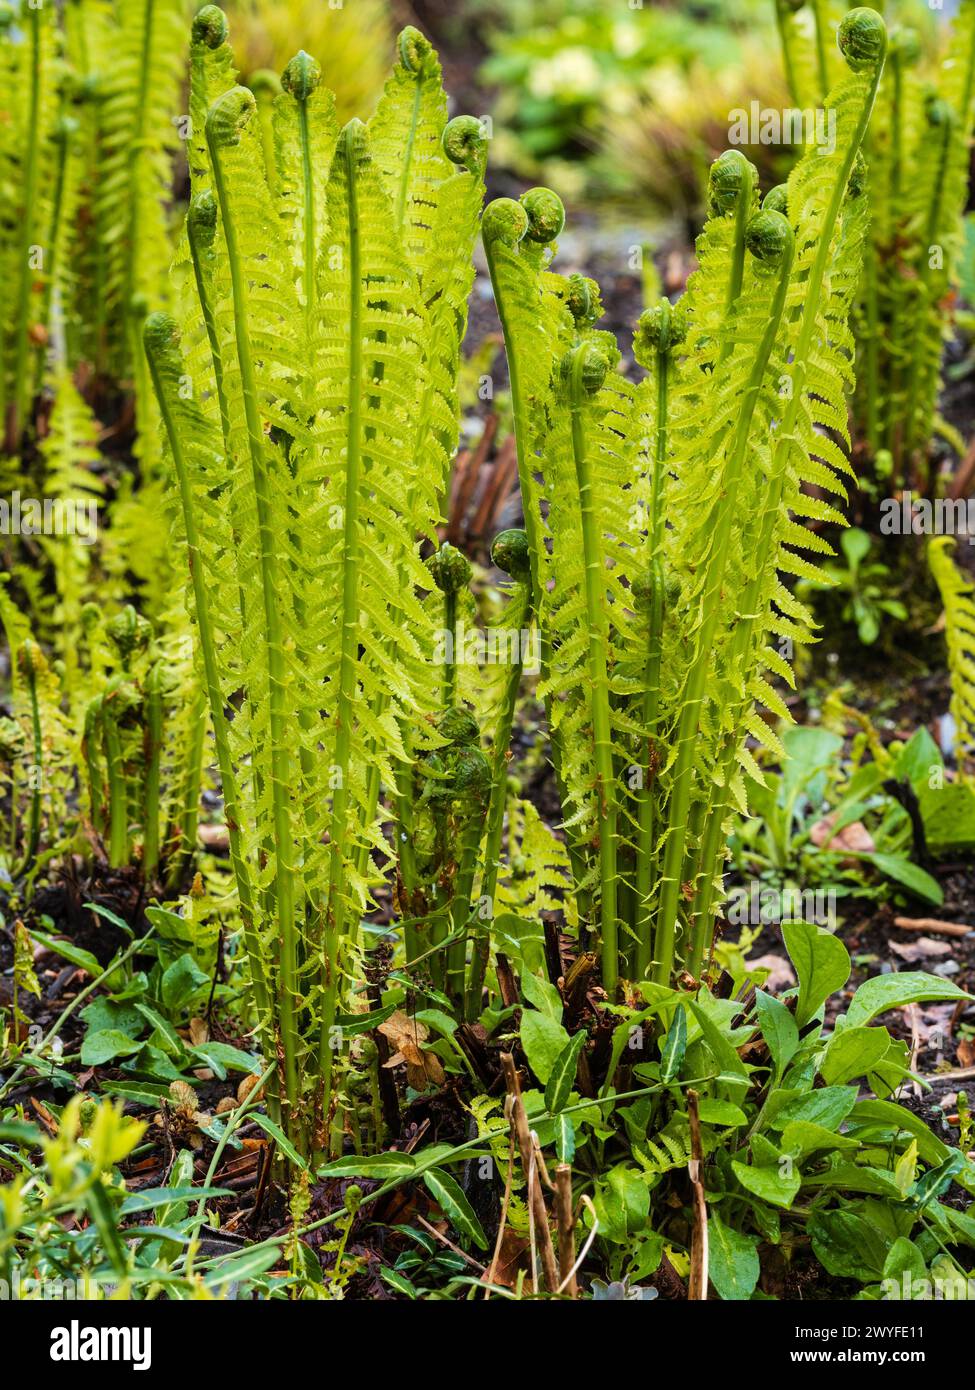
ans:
(353, 39)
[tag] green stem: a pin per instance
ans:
(779, 463)
(822, 45)
(460, 907)
(118, 799)
(598, 670)
(345, 710)
(284, 876)
(153, 757)
(783, 18)
(495, 828)
(30, 655)
(643, 924)
(183, 837)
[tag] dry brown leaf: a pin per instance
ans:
(513, 1258)
(45, 1116)
(199, 1032)
(399, 1025)
(855, 837)
(406, 1035)
(920, 949)
(245, 1088)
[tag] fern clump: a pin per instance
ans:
(323, 323)
(662, 518)
(917, 155)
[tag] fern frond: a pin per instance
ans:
(958, 596)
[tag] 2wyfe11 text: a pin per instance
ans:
(77, 1343)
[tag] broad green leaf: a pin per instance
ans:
(720, 1112)
(902, 870)
(543, 995)
(827, 1106)
(181, 981)
(239, 1268)
(398, 1281)
(880, 1118)
(223, 1057)
(822, 964)
(565, 1138)
(21, 1133)
(777, 1183)
(75, 954)
(108, 1013)
(853, 1052)
(904, 1257)
(801, 1138)
(852, 1177)
(154, 1197)
(103, 1214)
(449, 1196)
(386, 1165)
(622, 1202)
(147, 1094)
(847, 1246)
(733, 1264)
(280, 1138)
(99, 1048)
(168, 1039)
(779, 1029)
(544, 1039)
(731, 1065)
(673, 1047)
(353, 1024)
(883, 992)
(563, 1074)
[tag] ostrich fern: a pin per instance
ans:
(321, 329)
(661, 518)
(918, 154)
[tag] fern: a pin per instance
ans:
(27, 160)
(661, 519)
(917, 151)
(306, 471)
(958, 596)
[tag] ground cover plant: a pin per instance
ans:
(310, 991)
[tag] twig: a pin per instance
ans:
(570, 1277)
(565, 1224)
(445, 1240)
(505, 1202)
(697, 1285)
(933, 924)
(536, 1201)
